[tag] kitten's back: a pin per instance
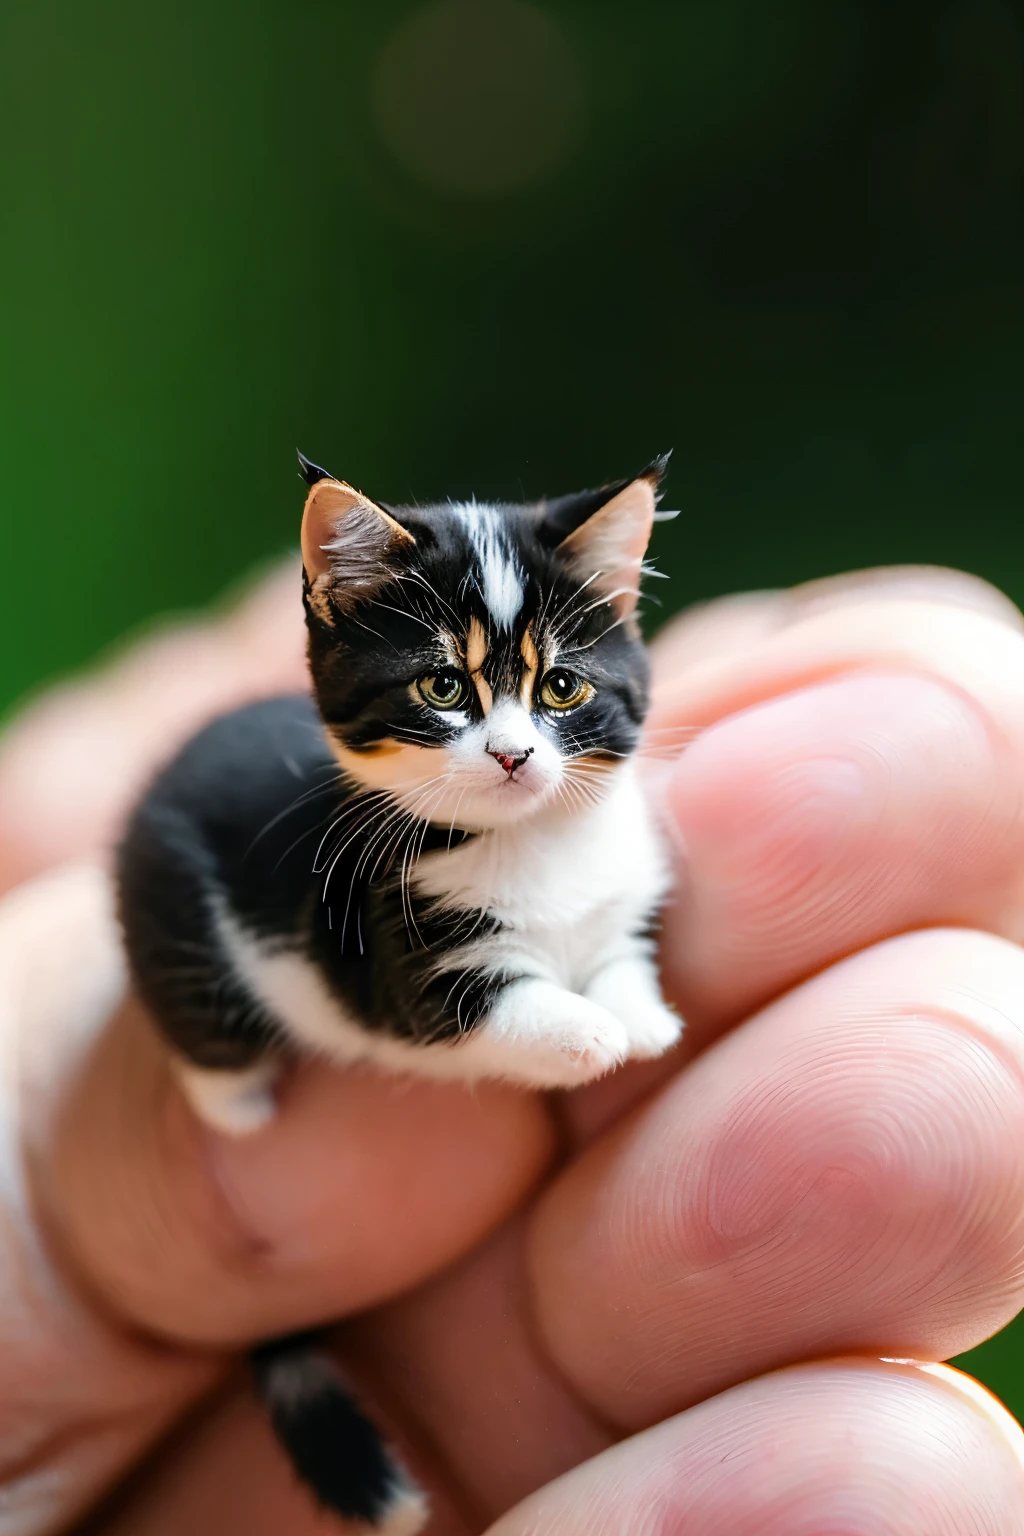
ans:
(230, 825)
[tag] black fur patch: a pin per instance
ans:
(302, 861)
(335, 1449)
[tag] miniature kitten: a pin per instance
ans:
(444, 865)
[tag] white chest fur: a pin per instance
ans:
(567, 888)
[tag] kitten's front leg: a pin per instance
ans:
(538, 1033)
(629, 989)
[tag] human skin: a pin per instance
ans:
(697, 1297)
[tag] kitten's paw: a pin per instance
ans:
(236, 1103)
(591, 1040)
(630, 991)
(541, 1034)
(653, 1031)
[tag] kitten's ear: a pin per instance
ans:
(608, 546)
(349, 545)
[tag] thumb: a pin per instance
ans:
(360, 1187)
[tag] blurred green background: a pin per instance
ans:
(492, 246)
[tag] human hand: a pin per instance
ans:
(839, 1174)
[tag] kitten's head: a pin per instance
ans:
(478, 661)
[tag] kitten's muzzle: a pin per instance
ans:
(508, 760)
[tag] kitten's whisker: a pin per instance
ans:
(310, 832)
(455, 812)
(575, 618)
(591, 643)
(673, 730)
(406, 896)
(586, 781)
(664, 754)
(403, 613)
(375, 633)
(391, 843)
(307, 795)
(410, 730)
(364, 807)
(416, 849)
(432, 590)
(553, 622)
(466, 981)
(389, 816)
(354, 882)
(382, 838)
(413, 853)
(396, 814)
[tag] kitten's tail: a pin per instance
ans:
(333, 1446)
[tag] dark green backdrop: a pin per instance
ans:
(485, 245)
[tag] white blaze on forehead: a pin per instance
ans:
(501, 580)
(503, 587)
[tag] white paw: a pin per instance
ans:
(592, 1040)
(653, 1031)
(629, 990)
(539, 1033)
(237, 1103)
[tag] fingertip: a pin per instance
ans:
(857, 1445)
(993, 1412)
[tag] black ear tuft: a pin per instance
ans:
(564, 514)
(310, 472)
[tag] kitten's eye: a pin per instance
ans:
(564, 690)
(443, 690)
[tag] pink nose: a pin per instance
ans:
(509, 762)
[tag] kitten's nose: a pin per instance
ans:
(508, 760)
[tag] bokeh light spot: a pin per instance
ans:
(478, 98)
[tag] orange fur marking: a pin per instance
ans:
(476, 655)
(385, 748)
(531, 657)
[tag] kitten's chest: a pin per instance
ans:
(557, 874)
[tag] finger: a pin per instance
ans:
(361, 1186)
(866, 1449)
(821, 821)
(960, 644)
(869, 784)
(725, 627)
(739, 622)
(815, 823)
(80, 1396)
(926, 583)
(843, 1172)
(74, 759)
